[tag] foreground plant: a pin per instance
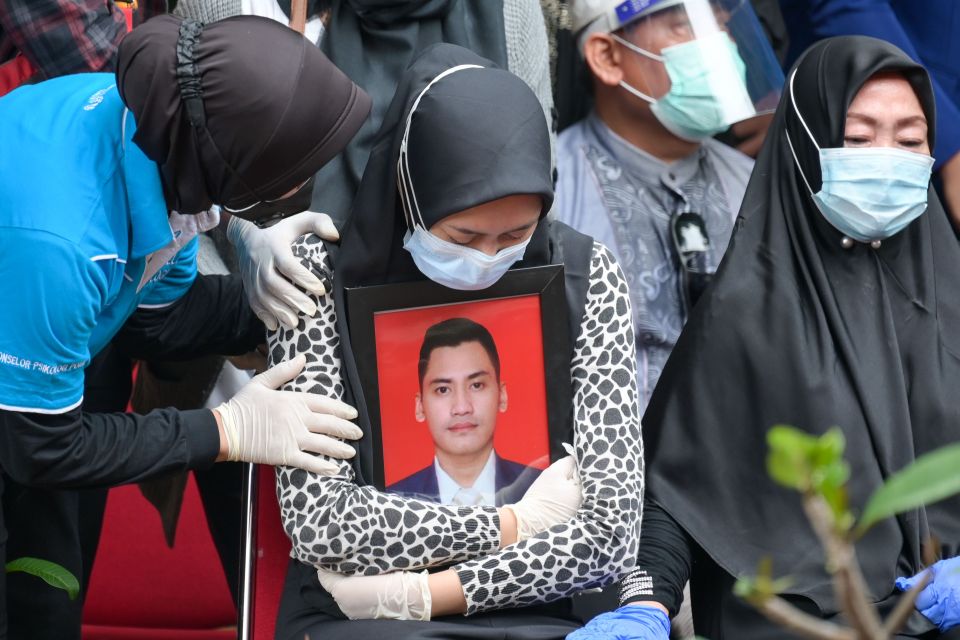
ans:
(815, 467)
(50, 572)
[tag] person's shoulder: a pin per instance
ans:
(604, 261)
(606, 276)
(413, 483)
(75, 83)
(81, 101)
(571, 137)
(513, 479)
(728, 155)
(515, 469)
(60, 143)
(578, 199)
(312, 251)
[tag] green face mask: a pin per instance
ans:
(707, 86)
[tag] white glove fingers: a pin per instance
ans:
(329, 579)
(323, 226)
(333, 426)
(323, 404)
(326, 446)
(291, 267)
(278, 375)
(288, 319)
(267, 318)
(565, 467)
(295, 300)
(277, 294)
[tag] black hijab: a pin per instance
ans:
(477, 135)
(373, 42)
(798, 330)
(273, 109)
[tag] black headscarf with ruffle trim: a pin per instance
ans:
(274, 108)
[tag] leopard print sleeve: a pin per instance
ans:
(332, 522)
(599, 545)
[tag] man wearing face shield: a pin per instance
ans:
(641, 172)
(112, 179)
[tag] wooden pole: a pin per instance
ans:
(298, 15)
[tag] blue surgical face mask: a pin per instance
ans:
(456, 266)
(707, 86)
(868, 193)
(872, 193)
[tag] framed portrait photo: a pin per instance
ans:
(468, 392)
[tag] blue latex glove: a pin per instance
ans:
(629, 622)
(940, 599)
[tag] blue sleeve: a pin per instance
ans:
(877, 18)
(174, 278)
(52, 296)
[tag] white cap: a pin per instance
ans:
(604, 16)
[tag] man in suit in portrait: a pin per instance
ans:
(460, 395)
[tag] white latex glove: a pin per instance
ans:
(273, 427)
(554, 497)
(269, 269)
(404, 595)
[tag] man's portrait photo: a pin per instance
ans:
(462, 400)
(462, 393)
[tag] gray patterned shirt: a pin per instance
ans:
(625, 198)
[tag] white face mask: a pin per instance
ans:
(456, 266)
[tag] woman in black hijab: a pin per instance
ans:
(852, 322)
(470, 144)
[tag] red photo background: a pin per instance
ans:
(514, 323)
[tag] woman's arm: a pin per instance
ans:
(337, 525)
(664, 562)
(599, 545)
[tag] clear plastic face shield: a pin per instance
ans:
(703, 65)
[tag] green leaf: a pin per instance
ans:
(785, 437)
(829, 447)
(50, 572)
(744, 588)
(788, 459)
(931, 477)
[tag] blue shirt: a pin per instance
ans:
(81, 208)
(927, 31)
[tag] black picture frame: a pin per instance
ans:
(547, 282)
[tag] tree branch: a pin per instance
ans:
(842, 565)
(786, 615)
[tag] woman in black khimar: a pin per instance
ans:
(837, 303)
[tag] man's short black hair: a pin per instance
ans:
(453, 333)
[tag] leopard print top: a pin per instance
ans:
(337, 525)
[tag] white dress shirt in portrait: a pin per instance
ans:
(483, 491)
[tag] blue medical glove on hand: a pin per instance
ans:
(629, 622)
(940, 599)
